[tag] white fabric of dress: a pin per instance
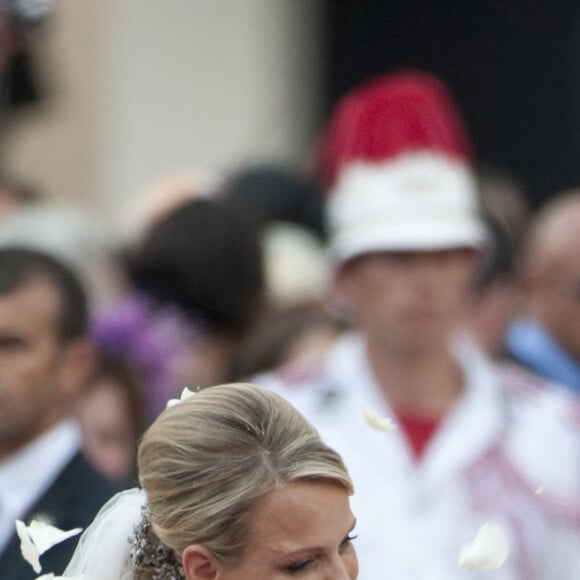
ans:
(507, 439)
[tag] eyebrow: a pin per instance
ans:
(312, 549)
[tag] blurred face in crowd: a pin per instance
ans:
(555, 292)
(38, 374)
(109, 433)
(551, 268)
(299, 530)
(409, 299)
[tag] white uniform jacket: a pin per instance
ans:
(507, 453)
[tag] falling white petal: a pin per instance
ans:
(488, 551)
(46, 536)
(185, 394)
(379, 423)
(540, 490)
(29, 551)
(39, 537)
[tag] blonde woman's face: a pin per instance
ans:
(302, 530)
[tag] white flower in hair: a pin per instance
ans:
(39, 537)
(488, 551)
(379, 423)
(185, 394)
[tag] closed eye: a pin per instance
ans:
(305, 563)
(347, 542)
(297, 567)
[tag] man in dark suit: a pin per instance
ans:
(45, 358)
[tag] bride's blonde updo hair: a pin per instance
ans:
(206, 462)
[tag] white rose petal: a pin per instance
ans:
(379, 423)
(39, 537)
(488, 551)
(29, 550)
(185, 394)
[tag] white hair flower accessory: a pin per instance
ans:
(185, 394)
(488, 551)
(379, 423)
(39, 537)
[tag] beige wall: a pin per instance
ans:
(54, 146)
(146, 87)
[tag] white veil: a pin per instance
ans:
(103, 550)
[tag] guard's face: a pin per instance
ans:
(302, 530)
(409, 299)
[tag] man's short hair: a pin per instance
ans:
(19, 265)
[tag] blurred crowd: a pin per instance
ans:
(396, 274)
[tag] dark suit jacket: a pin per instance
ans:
(72, 501)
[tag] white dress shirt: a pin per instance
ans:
(26, 475)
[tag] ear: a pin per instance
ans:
(76, 363)
(199, 563)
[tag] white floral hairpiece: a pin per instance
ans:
(39, 537)
(185, 394)
(488, 551)
(379, 423)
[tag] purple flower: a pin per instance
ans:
(153, 340)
